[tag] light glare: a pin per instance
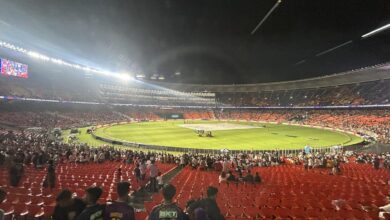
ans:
(43, 57)
(376, 31)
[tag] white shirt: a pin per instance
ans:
(386, 209)
(159, 180)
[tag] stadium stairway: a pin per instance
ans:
(146, 196)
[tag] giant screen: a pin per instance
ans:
(11, 68)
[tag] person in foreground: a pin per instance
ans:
(120, 209)
(67, 208)
(384, 210)
(167, 210)
(208, 205)
(93, 211)
(3, 194)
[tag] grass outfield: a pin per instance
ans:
(273, 136)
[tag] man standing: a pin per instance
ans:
(209, 205)
(67, 208)
(142, 169)
(167, 210)
(153, 175)
(93, 211)
(137, 173)
(120, 209)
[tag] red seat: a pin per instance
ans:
(8, 210)
(298, 213)
(236, 212)
(141, 215)
(35, 211)
(267, 212)
(21, 210)
(313, 213)
(36, 200)
(252, 212)
(48, 210)
(282, 213)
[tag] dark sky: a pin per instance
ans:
(207, 41)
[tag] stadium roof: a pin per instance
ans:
(206, 41)
(367, 74)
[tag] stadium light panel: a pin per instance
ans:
(140, 76)
(124, 77)
(371, 33)
(43, 57)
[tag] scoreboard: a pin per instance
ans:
(171, 115)
(12, 68)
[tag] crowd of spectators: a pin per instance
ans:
(369, 123)
(19, 149)
(375, 92)
(76, 88)
(374, 123)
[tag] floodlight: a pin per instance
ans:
(371, 33)
(140, 76)
(124, 76)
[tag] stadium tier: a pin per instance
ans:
(307, 142)
(194, 110)
(368, 86)
(310, 159)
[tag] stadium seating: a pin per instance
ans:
(291, 192)
(31, 200)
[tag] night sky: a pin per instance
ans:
(207, 41)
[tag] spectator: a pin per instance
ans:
(15, 173)
(51, 176)
(137, 173)
(225, 165)
(153, 172)
(223, 177)
(168, 209)
(376, 163)
(249, 177)
(142, 169)
(120, 209)
(3, 194)
(160, 181)
(209, 205)
(231, 177)
(67, 208)
(94, 211)
(188, 205)
(119, 173)
(257, 178)
(384, 209)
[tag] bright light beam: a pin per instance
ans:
(333, 48)
(300, 62)
(39, 56)
(266, 16)
(371, 33)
